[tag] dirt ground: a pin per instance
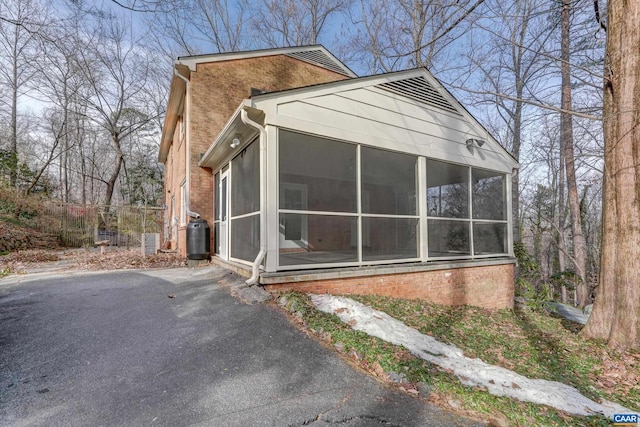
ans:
(39, 260)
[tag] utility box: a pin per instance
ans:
(198, 239)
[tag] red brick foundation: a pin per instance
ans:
(488, 286)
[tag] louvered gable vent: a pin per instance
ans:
(419, 89)
(318, 57)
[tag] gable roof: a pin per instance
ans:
(417, 84)
(314, 54)
(413, 100)
(317, 55)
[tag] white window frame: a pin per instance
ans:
(470, 221)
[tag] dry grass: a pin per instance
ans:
(532, 344)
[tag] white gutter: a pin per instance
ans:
(263, 196)
(187, 123)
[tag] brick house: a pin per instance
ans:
(314, 179)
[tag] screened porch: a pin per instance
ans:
(339, 204)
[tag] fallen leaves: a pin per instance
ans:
(17, 238)
(125, 259)
(30, 256)
(619, 374)
(112, 259)
(18, 262)
(378, 370)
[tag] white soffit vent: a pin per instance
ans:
(419, 89)
(318, 57)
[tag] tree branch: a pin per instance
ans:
(443, 33)
(147, 6)
(534, 103)
(599, 20)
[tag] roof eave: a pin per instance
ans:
(219, 151)
(193, 61)
(176, 96)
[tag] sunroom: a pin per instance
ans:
(345, 176)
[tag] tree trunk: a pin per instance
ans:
(111, 184)
(515, 176)
(52, 155)
(566, 135)
(65, 135)
(83, 170)
(13, 144)
(616, 313)
(562, 247)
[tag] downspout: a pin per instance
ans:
(263, 196)
(187, 144)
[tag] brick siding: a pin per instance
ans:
(217, 88)
(483, 286)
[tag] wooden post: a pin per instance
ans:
(102, 244)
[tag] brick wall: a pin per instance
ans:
(489, 286)
(174, 174)
(217, 90)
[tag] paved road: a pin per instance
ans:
(114, 350)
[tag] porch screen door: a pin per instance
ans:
(293, 227)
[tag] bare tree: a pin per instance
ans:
(117, 72)
(60, 84)
(171, 31)
(410, 33)
(540, 197)
(512, 61)
(55, 132)
(280, 23)
(194, 26)
(19, 28)
(141, 5)
(566, 143)
(222, 23)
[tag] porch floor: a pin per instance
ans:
(326, 257)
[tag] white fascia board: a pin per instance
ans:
(174, 109)
(231, 123)
(193, 61)
(218, 150)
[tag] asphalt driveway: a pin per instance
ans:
(173, 348)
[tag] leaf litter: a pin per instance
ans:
(113, 259)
